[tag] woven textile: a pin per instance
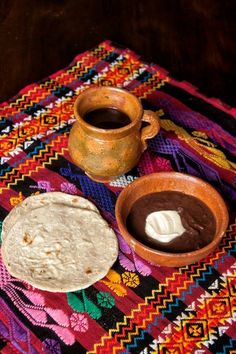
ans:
(137, 307)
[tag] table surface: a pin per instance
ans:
(194, 40)
(137, 307)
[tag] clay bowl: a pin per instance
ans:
(171, 181)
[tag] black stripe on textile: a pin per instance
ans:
(61, 91)
(24, 186)
(149, 282)
(109, 316)
(56, 165)
(76, 348)
(66, 169)
(92, 72)
(232, 252)
(225, 120)
(141, 343)
(149, 105)
(40, 332)
(5, 168)
(174, 308)
(111, 57)
(208, 276)
(33, 109)
(224, 344)
(36, 145)
(88, 76)
(3, 212)
(134, 172)
(3, 342)
(144, 76)
(5, 123)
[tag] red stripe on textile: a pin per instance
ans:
(6, 196)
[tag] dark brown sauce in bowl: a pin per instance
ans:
(197, 219)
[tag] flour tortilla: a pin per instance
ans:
(34, 202)
(58, 242)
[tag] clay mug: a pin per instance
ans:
(105, 154)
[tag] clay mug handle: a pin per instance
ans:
(152, 129)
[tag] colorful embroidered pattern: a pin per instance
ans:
(137, 307)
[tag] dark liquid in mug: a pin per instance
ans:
(107, 118)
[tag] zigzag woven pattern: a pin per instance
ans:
(137, 307)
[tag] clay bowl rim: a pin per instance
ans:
(92, 89)
(131, 240)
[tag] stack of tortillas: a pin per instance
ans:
(58, 242)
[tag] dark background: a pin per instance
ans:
(193, 39)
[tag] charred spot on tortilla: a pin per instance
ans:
(27, 239)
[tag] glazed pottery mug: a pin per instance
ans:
(106, 153)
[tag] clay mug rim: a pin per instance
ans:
(198, 254)
(91, 91)
(138, 114)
